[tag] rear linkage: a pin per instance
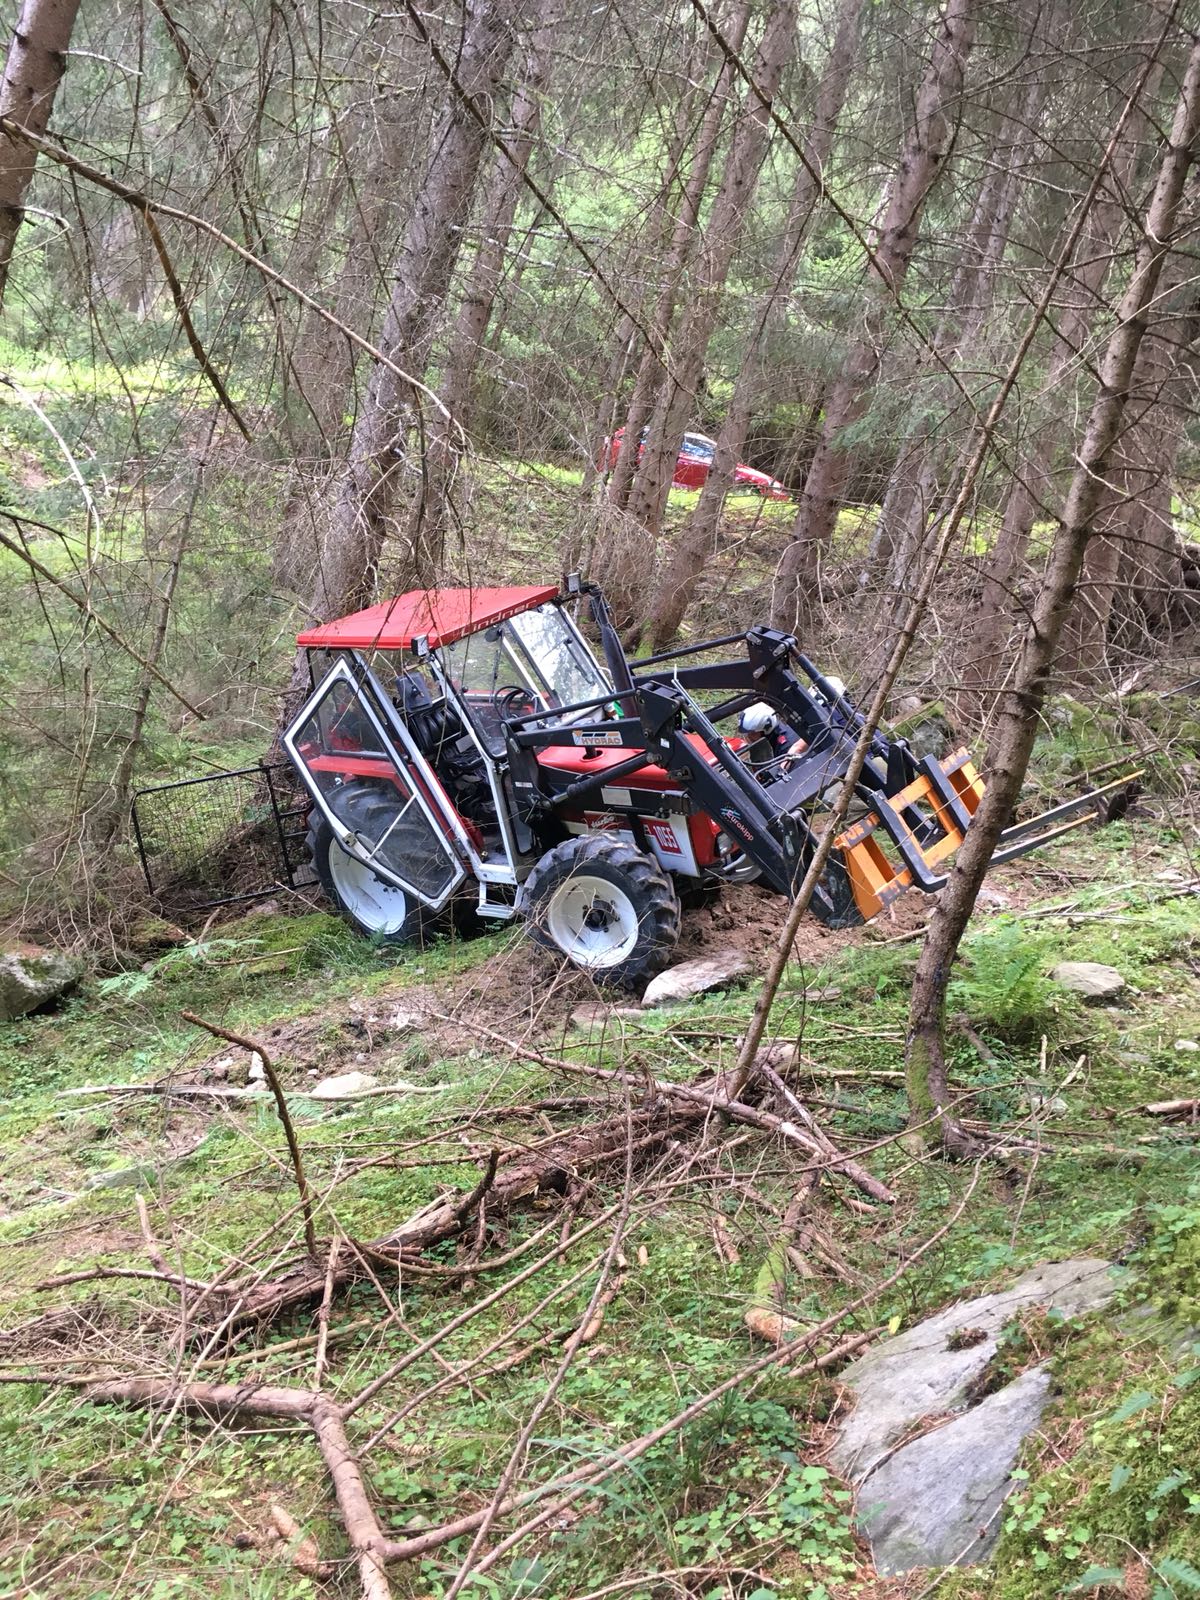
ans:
(913, 812)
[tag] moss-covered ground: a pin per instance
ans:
(96, 1501)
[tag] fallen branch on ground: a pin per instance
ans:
(310, 1233)
(711, 1097)
(1173, 1108)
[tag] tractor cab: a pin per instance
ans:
(402, 744)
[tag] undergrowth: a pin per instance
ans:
(94, 1502)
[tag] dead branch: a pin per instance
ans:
(310, 1232)
(711, 1098)
(512, 1178)
(302, 1549)
(64, 1280)
(323, 1315)
(358, 1517)
(846, 1165)
(1173, 1108)
(226, 1401)
(179, 299)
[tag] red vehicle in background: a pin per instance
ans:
(694, 463)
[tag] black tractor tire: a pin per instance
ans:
(697, 894)
(606, 906)
(375, 908)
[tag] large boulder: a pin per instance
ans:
(930, 1368)
(935, 1502)
(932, 1501)
(32, 978)
(690, 978)
(925, 726)
(1091, 980)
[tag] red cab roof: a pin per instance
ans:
(439, 615)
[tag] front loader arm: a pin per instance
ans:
(914, 812)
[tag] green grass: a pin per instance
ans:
(85, 1501)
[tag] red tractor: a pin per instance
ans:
(472, 736)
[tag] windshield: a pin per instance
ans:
(532, 662)
(561, 660)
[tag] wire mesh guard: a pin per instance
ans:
(238, 835)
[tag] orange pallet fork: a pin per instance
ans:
(947, 794)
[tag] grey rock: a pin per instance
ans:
(32, 978)
(936, 1502)
(915, 1375)
(343, 1086)
(1045, 1105)
(596, 1019)
(402, 1021)
(1090, 979)
(123, 1177)
(690, 978)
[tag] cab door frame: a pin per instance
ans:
(418, 783)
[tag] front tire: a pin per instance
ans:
(605, 906)
(378, 910)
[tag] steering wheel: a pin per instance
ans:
(512, 700)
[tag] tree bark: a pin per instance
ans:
(377, 479)
(37, 59)
(1008, 756)
(1133, 566)
(928, 140)
(698, 540)
(671, 270)
(735, 195)
(1034, 487)
(621, 548)
(431, 512)
(905, 515)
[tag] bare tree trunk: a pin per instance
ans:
(651, 248)
(1008, 755)
(671, 269)
(905, 516)
(1034, 487)
(36, 61)
(376, 482)
(621, 554)
(431, 512)
(323, 361)
(1129, 571)
(698, 539)
(799, 574)
(739, 180)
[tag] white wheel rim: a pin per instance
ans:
(592, 922)
(378, 906)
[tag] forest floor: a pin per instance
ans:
(96, 1500)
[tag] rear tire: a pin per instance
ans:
(605, 906)
(378, 910)
(696, 894)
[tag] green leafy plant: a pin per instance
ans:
(1004, 986)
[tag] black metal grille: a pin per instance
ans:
(208, 842)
